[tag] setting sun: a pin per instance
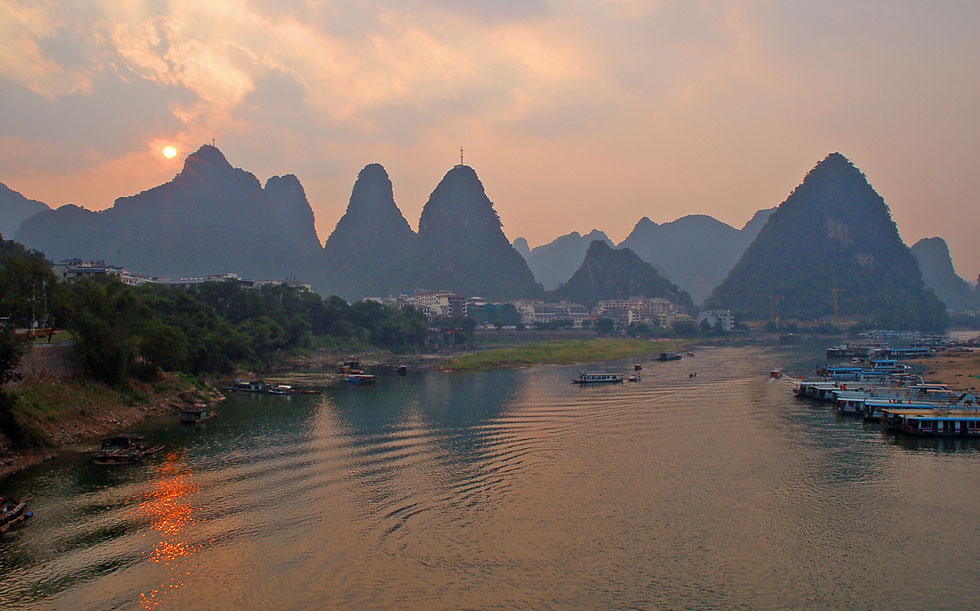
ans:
(169, 152)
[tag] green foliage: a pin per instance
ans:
(124, 331)
(605, 325)
(28, 288)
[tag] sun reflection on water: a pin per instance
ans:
(166, 507)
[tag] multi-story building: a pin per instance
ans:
(435, 303)
(541, 312)
(715, 317)
(648, 310)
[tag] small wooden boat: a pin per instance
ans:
(637, 367)
(194, 415)
(599, 378)
(123, 450)
(13, 512)
(669, 356)
(775, 374)
(360, 378)
(280, 389)
(634, 378)
(402, 370)
(351, 366)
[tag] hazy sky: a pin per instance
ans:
(574, 114)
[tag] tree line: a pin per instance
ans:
(125, 331)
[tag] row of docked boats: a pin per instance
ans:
(900, 400)
(260, 387)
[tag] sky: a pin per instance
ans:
(576, 115)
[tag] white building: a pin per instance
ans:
(714, 317)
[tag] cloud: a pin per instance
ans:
(719, 106)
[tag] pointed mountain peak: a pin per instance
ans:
(206, 157)
(645, 222)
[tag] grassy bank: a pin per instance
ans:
(58, 413)
(557, 352)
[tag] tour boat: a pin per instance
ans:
(933, 422)
(598, 378)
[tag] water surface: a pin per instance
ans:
(512, 489)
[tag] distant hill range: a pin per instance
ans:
(939, 275)
(14, 208)
(832, 237)
(556, 261)
(613, 273)
(210, 218)
(695, 251)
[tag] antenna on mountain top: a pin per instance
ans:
(212, 140)
(460, 155)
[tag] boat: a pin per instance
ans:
(249, 386)
(637, 367)
(775, 374)
(360, 378)
(351, 366)
(634, 378)
(933, 422)
(195, 414)
(13, 512)
(669, 356)
(402, 370)
(598, 378)
(279, 389)
(123, 449)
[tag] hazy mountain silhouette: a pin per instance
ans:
(611, 273)
(293, 213)
(556, 261)
(939, 275)
(462, 247)
(521, 246)
(14, 208)
(371, 251)
(833, 230)
(210, 218)
(695, 251)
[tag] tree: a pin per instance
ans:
(605, 325)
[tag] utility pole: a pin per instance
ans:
(460, 155)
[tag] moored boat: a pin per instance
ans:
(360, 378)
(669, 356)
(123, 449)
(933, 422)
(13, 512)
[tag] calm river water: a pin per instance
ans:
(512, 489)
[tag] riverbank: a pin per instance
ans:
(556, 352)
(958, 369)
(53, 415)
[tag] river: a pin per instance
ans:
(512, 489)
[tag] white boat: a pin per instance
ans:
(598, 378)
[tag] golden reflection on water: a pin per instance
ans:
(170, 515)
